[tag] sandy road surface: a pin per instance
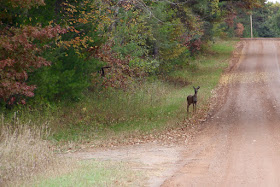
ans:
(240, 145)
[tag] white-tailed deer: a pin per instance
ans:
(192, 99)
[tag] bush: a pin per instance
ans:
(66, 78)
(146, 65)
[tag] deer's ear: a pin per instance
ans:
(198, 87)
(193, 87)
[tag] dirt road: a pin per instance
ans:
(240, 145)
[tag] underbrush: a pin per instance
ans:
(111, 112)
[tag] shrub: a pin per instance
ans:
(66, 79)
(146, 65)
(239, 30)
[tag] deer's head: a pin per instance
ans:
(196, 89)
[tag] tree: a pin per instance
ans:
(20, 49)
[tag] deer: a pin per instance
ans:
(192, 99)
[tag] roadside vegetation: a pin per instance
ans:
(153, 104)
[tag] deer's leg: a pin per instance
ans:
(188, 108)
(193, 107)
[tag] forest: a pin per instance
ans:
(109, 71)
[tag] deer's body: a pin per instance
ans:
(192, 99)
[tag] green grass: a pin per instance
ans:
(93, 173)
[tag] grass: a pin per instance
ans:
(94, 173)
(23, 152)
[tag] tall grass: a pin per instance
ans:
(140, 109)
(23, 152)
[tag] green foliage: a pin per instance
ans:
(66, 78)
(130, 34)
(149, 66)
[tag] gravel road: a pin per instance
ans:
(240, 145)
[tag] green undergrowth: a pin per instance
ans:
(154, 104)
